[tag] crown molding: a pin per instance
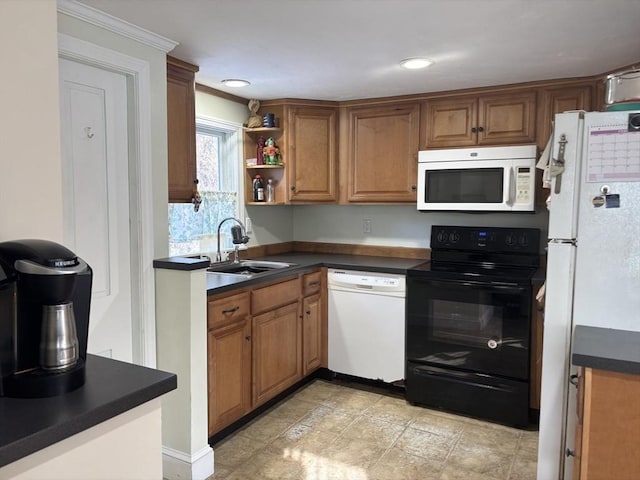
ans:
(113, 24)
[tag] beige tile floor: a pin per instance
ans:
(328, 431)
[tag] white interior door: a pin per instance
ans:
(93, 106)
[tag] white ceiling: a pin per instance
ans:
(349, 49)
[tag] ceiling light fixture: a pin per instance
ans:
(415, 63)
(235, 82)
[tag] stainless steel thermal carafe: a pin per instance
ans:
(58, 339)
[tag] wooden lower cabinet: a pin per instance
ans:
(229, 374)
(311, 333)
(277, 352)
(263, 340)
(607, 429)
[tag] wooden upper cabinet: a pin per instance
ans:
(557, 100)
(448, 123)
(507, 118)
(382, 153)
(495, 119)
(181, 129)
(312, 153)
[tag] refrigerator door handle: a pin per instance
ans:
(557, 165)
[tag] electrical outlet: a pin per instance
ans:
(248, 226)
(366, 225)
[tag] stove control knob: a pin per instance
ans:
(442, 236)
(523, 240)
(454, 237)
(509, 240)
(492, 343)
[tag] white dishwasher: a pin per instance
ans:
(366, 324)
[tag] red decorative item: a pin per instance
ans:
(260, 152)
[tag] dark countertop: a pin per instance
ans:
(606, 349)
(182, 263)
(219, 283)
(111, 388)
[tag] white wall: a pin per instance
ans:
(394, 225)
(158, 100)
(270, 224)
(30, 162)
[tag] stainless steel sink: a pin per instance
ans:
(247, 267)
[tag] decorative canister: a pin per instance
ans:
(622, 87)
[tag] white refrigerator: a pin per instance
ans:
(593, 259)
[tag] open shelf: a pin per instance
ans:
(264, 130)
(264, 167)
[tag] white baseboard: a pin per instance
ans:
(177, 465)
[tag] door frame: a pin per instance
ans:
(141, 232)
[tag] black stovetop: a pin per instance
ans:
(482, 254)
(488, 273)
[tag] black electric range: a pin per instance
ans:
(468, 321)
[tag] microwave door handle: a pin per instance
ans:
(512, 187)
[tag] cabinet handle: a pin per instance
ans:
(248, 337)
(231, 310)
(570, 453)
(413, 188)
(474, 129)
(573, 380)
(481, 129)
(293, 188)
(308, 312)
(196, 199)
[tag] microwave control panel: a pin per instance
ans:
(524, 183)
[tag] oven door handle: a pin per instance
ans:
(485, 286)
(462, 379)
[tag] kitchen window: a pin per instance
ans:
(217, 165)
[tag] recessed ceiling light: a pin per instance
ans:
(235, 82)
(415, 63)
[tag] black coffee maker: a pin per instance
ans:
(45, 296)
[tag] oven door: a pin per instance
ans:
(472, 326)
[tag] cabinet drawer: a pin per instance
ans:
(274, 296)
(227, 310)
(311, 283)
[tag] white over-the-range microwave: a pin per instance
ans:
(481, 179)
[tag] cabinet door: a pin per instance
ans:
(557, 100)
(181, 129)
(611, 422)
(229, 374)
(550, 102)
(382, 153)
(311, 150)
(277, 360)
(311, 333)
(449, 122)
(507, 118)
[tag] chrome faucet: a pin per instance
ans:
(238, 238)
